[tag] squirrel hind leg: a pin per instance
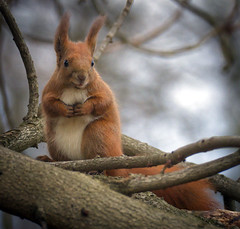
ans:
(103, 143)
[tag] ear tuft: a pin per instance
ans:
(91, 38)
(61, 36)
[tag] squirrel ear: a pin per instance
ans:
(91, 38)
(61, 36)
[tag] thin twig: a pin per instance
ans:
(197, 11)
(116, 26)
(27, 60)
(139, 38)
(147, 36)
(162, 53)
(223, 38)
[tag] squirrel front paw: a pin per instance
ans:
(69, 111)
(66, 110)
(82, 109)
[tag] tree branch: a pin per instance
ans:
(186, 48)
(223, 38)
(175, 157)
(29, 135)
(226, 186)
(28, 187)
(147, 36)
(197, 172)
(25, 136)
(140, 38)
(116, 26)
(27, 60)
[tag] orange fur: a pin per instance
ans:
(192, 196)
(82, 119)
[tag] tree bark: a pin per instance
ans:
(23, 137)
(62, 199)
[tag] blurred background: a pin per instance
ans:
(176, 81)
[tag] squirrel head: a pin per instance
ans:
(75, 59)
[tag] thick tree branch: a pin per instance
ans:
(27, 60)
(25, 136)
(133, 147)
(28, 187)
(30, 135)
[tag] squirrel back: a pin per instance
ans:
(82, 119)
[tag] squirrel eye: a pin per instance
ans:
(92, 63)
(66, 63)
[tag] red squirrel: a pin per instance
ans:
(82, 119)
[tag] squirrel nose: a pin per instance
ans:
(81, 78)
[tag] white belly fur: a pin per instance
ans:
(69, 131)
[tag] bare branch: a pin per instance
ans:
(226, 186)
(29, 187)
(197, 11)
(151, 160)
(162, 53)
(223, 37)
(25, 136)
(27, 60)
(197, 172)
(116, 26)
(133, 147)
(140, 39)
(208, 144)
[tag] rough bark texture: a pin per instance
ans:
(64, 199)
(25, 136)
(227, 186)
(133, 147)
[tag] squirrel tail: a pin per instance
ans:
(194, 195)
